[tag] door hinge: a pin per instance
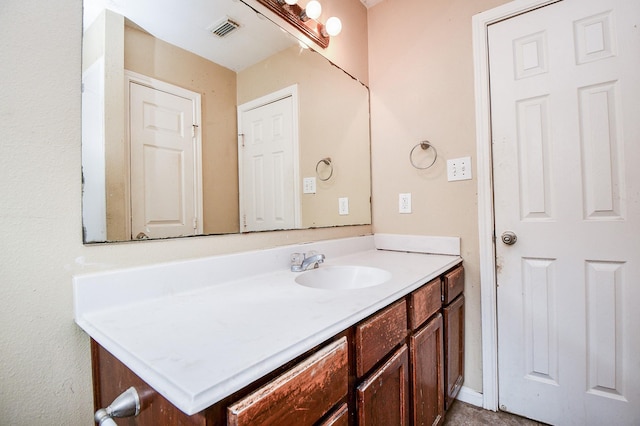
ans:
(241, 136)
(194, 127)
(244, 220)
(195, 223)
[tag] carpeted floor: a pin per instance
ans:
(463, 414)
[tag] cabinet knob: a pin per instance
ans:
(127, 404)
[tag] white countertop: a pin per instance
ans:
(196, 343)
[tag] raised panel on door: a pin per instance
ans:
(427, 361)
(383, 398)
(564, 101)
(453, 349)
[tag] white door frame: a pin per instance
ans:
(290, 91)
(196, 98)
(486, 233)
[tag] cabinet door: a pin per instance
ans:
(339, 417)
(300, 396)
(454, 348)
(382, 399)
(427, 360)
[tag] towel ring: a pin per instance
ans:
(326, 161)
(424, 145)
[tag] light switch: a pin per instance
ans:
(459, 169)
(309, 185)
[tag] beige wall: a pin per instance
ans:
(45, 373)
(421, 81)
(326, 95)
(217, 85)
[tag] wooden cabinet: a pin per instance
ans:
(402, 365)
(453, 313)
(376, 336)
(427, 377)
(111, 378)
(339, 417)
(454, 348)
(313, 387)
(383, 398)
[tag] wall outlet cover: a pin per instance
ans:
(343, 206)
(404, 203)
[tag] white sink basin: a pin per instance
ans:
(343, 277)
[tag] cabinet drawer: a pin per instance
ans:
(302, 395)
(378, 335)
(424, 302)
(453, 285)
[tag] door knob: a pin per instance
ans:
(509, 238)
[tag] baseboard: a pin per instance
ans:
(470, 396)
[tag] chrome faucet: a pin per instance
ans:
(301, 261)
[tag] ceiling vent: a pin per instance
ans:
(224, 27)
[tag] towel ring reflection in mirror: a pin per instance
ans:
(322, 175)
(424, 145)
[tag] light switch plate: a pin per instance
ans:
(309, 185)
(404, 203)
(343, 206)
(459, 169)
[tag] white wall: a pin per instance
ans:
(45, 375)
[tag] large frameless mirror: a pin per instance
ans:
(204, 117)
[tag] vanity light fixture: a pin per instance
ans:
(306, 19)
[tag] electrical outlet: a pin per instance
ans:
(404, 203)
(459, 169)
(309, 185)
(343, 206)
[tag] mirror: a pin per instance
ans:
(174, 117)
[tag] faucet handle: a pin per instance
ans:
(297, 258)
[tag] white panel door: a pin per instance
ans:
(268, 190)
(163, 164)
(565, 96)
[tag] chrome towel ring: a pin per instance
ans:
(424, 145)
(327, 162)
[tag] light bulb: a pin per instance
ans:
(333, 26)
(291, 2)
(313, 9)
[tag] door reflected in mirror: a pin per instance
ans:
(164, 126)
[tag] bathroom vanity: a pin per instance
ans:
(253, 346)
